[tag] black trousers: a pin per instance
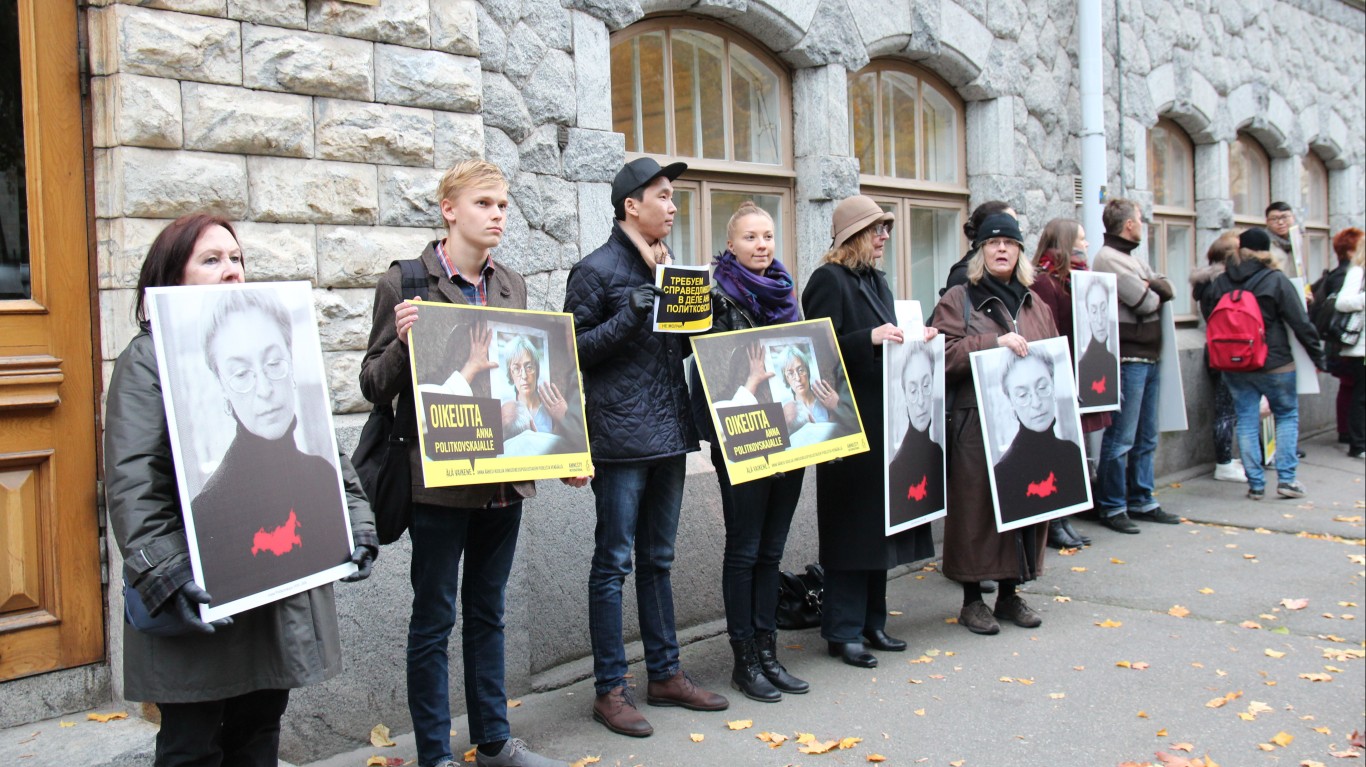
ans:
(237, 732)
(855, 601)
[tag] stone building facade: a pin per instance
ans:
(323, 127)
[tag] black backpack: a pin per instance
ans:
(381, 455)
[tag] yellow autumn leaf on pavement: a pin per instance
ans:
(102, 718)
(1317, 677)
(819, 747)
(587, 760)
(920, 712)
(1178, 611)
(1115, 561)
(1270, 653)
(1283, 739)
(740, 724)
(379, 737)
(1207, 591)
(848, 743)
(1057, 695)
(697, 737)
(1109, 624)
(876, 758)
(805, 737)
(1323, 731)
(470, 755)
(66, 724)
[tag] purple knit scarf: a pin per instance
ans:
(767, 296)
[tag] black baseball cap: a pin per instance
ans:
(640, 172)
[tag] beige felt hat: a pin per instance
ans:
(853, 215)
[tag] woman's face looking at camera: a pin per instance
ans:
(797, 376)
(524, 372)
(256, 373)
(215, 259)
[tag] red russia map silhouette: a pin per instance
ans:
(1043, 489)
(282, 539)
(917, 492)
(1098, 386)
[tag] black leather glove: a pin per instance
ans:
(643, 299)
(185, 605)
(362, 557)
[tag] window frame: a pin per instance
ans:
(1315, 230)
(701, 185)
(1254, 150)
(922, 77)
(1165, 217)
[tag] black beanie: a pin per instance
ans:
(1257, 239)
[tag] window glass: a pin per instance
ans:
(934, 248)
(898, 125)
(890, 256)
(1170, 163)
(754, 102)
(638, 93)
(1180, 254)
(940, 136)
(1249, 178)
(1314, 190)
(14, 253)
(682, 239)
(862, 107)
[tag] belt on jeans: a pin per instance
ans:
(1144, 360)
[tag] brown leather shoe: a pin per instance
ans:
(1014, 609)
(681, 690)
(617, 711)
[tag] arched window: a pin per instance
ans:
(690, 90)
(1318, 248)
(1171, 235)
(906, 129)
(1249, 181)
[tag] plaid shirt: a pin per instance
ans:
(477, 293)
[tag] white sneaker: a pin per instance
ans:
(1229, 472)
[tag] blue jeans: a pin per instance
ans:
(638, 505)
(487, 539)
(758, 516)
(1279, 389)
(1124, 475)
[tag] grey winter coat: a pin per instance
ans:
(286, 644)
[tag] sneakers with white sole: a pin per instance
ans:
(1229, 472)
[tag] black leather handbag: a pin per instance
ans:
(799, 598)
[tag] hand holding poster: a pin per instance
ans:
(498, 395)
(685, 303)
(779, 398)
(251, 433)
(1032, 432)
(1095, 328)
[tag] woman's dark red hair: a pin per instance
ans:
(166, 259)
(1345, 242)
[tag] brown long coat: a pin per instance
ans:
(973, 550)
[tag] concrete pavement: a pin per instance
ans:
(1053, 696)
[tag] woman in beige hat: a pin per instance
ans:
(854, 549)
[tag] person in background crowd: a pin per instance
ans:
(1352, 299)
(995, 308)
(752, 289)
(854, 549)
(1280, 219)
(640, 428)
(478, 522)
(1062, 250)
(222, 687)
(958, 273)
(1124, 475)
(1321, 309)
(1252, 269)
(1221, 426)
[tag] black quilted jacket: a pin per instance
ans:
(633, 380)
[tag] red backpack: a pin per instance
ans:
(1235, 333)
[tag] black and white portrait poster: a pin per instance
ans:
(251, 432)
(498, 395)
(913, 409)
(1032, 432)
(1095, 328)
(779, 398)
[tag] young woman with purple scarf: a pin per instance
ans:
(752, 289)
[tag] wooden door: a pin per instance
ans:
(51, 604)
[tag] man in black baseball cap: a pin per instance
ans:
(640, 429)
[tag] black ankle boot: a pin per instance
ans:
(1072, 531)
(767, 647)
(1059, 538)
(747, 677)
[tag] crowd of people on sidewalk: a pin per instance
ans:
(223, 686)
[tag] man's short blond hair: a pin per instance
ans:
(470, 174)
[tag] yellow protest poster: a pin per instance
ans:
(684, 305)
(498, 395)
(779, 398)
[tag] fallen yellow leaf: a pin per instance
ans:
(1162, 733)
(1079, 569)
(102, 718)
(587, 760)
(876, 758)
(66, 724)
(958, 763)
(470, 755)
(1323, 731)
(514, 703)
(1057, 695)
(1114, 561)
(1187, 747)
(1143, 715)
(740, 724)
(920, 712)
(819, 747)
(848, 743)
(379, 737)
(697, 737)
(1283, 739)
(1250, 625)
(1177, 611)
(1109, 624)
(1317, 677)
(1207, 591)
(805, 737)
(1270, 653)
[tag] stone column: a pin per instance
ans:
(1213, 207)
(1285, 181)
(826, 173)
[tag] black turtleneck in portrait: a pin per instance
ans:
(268, 515)
(1097, 376)
(915, 477)
(1038, 474)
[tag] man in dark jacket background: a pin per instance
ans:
(1321, 311)
(1281, 304)
(640, 429)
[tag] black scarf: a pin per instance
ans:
(1120, 244)
(1010, 293)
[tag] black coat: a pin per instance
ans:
(635, 393)
(916, 476)
(850, 504)
(1280, 303)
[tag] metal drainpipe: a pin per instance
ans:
(1093, 172)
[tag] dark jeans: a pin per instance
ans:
(487, 539)
(758, 515)
(1225, 419)
(1354, 383)
(1279, 390)
(638, 505)
(855, 601)
(242, 731)
(1124, 476)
